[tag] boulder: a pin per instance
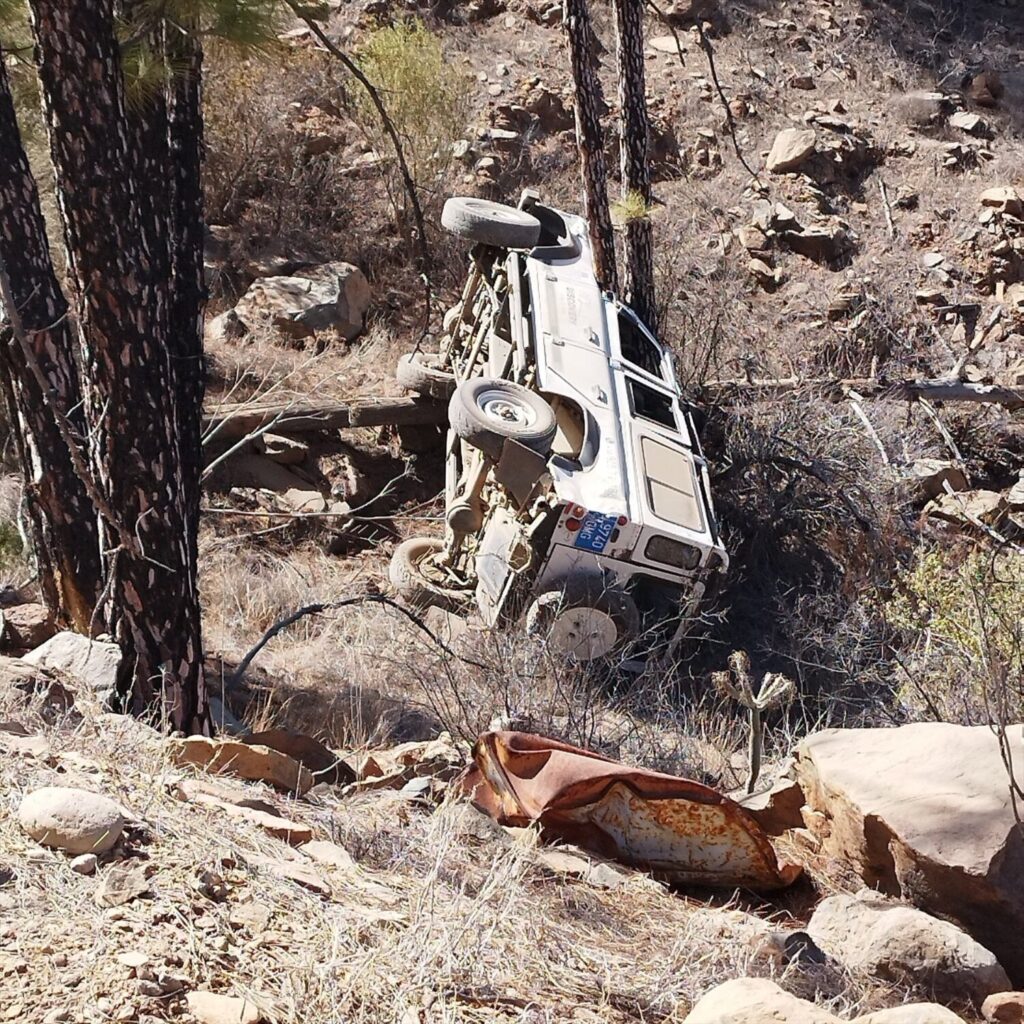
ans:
(963, 509)
(73, 820)
(94, 663)
(790, 149)
(210, 1008)
(27, 625)
(755, 1001)
(911, 1013)
(332, 297)
(905, 946)
(247, 761)
(972, 124)
(1004, 1008)
(1005, 200)
(923, 811)
(325, 765)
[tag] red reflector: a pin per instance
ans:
(572, 525)
(623, 520)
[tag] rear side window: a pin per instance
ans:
(650, 404)
(638, 348)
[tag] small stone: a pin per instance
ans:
(802, 82)
(932, 260)
(133, 960)
(329, 853)
(121, 884)
(285, 451)
(85, 864)
(73, 820)
(495, 89)
(1004, 1008)
(1006, 200)
(970, 123)
(210, 1008)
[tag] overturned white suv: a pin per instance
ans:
(577, 495)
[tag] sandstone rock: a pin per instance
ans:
(923, 811)
(210, 1008)
(664, 44)
(224, 328)
(1015, 495)
(985, 88)
(73, 820)
(1004, 1008)
(911, 1013)
(755, 1001)
(1006, 200)
(287, 831)
(820, 244)
(776, 809)
(926, 478)
(291, 871)
(332, 297)
(963, 508)
(903, 945)
(247, 761)
(322, 762)
(573, 862)
(331, 854)
(970, 123)
(27, 625)
(121, 884)
(790, 149)
(94, 663)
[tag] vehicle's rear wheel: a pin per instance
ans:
(421, 373)
(480, 220)
(417, 577)
(583, 620)
(485, 413)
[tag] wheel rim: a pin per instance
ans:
(583, 633)
(506, 410)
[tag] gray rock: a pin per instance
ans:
(94, 663)
(84, 864)
(73, 820)
(27, 625)
(903, 945)
(332, 297)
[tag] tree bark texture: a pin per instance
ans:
(634, 132)
(590, 140)
(118, 237)
(60, 514)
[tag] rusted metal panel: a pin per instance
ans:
(683, 832)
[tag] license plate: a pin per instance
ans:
(595, 531)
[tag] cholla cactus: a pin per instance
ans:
(775, 689)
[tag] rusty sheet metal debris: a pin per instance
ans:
(683, 832)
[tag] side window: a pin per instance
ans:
(638, 348)
(650, 404)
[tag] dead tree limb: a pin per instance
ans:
(935, 390)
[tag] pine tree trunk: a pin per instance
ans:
(60, 514)
(590, 140)
(636, 178)
(119, 240)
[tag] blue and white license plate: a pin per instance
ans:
(595, 531)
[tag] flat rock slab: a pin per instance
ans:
(247, 761)
(923, 811)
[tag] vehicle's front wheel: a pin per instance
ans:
(418, 577)
(480, 220)
(583, 620)
(421, 372)
(485, 413)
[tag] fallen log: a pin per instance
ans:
(936, 390)
(234, 421)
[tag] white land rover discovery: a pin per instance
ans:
(576, 490)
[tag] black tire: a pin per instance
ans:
(480, 220)
(485, 413)
(411, 578)
(419, 372)
(614, 608)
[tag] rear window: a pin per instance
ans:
(638, 348)
(650, 404)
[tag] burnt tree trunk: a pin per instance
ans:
(119, 242)
(590, 140)
(61, 517)
(634, 132)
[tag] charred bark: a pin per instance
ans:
(118, 238)
(634, 132)
(61, 516)
(590, 140)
